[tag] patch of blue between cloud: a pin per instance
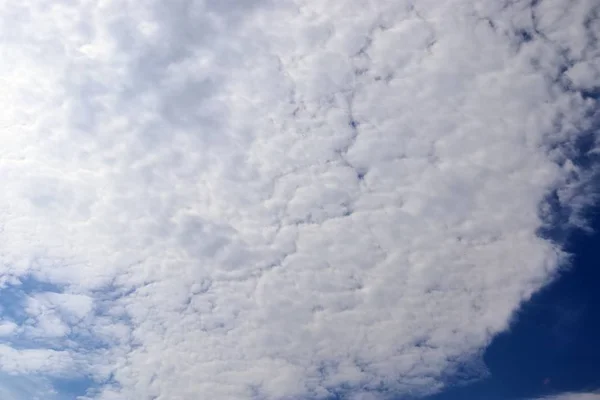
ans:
(12, 299)
(13, 295)
(72, 388)
(23, 387)
(17, 387)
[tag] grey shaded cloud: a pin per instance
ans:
(282, 200)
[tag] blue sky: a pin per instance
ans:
(551, 346)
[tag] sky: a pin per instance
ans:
(299, 199)
(551, 346)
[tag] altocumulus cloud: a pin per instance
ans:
(282, 199)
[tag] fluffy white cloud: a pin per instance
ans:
(283, 199)
(52, 313)
(51, 362)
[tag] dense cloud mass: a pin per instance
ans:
(282, 199)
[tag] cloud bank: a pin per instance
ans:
(283, 200)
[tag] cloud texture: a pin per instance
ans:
(575, 396)
(282, 200)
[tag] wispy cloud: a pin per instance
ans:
(574, 396)
(282, 199)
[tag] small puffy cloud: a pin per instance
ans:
(53, 313)
(71, 306)
(24, 361)
(7, 328)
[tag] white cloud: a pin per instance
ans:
(14, 387)
(51, 362)
(575, 396)
(280, 199)
(7, 328)
(52, 313)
